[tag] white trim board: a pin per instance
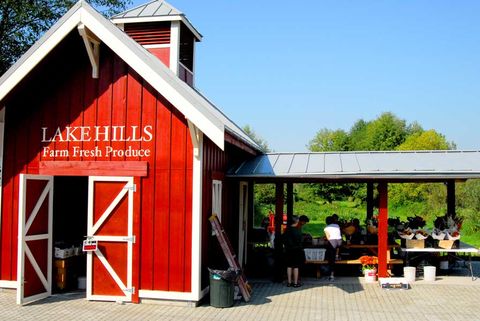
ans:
(168, 295)
(8, 284)
(196, 255)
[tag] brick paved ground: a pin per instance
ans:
(449, 298)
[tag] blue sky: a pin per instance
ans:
(288, 68)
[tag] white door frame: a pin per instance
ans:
(23, 227)
(242, 222)
(128, 190)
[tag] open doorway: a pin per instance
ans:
(70, 207)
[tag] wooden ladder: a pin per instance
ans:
(222, 238)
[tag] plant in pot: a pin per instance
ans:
(369, 267)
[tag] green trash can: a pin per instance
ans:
(221, 291)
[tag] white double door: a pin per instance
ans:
(110, 223)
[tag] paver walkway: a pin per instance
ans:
(449, 298)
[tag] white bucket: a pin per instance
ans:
(409, 273)
(429, 273)
(82, 283)
(370, 275)
(443, 265)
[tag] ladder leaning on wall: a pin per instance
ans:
(226, 246)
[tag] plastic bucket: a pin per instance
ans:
(409, 273)
(443, 265)
(370, 275)
(82, 282)
(429, 273)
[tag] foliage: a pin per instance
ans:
(329, 140)
(257, 139)
(426, 140)
(386, 132)
(22, 22)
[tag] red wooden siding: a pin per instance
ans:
(152, 33)
(214, 164)
(162, 53)
(61, 93)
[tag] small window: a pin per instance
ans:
(217, 198)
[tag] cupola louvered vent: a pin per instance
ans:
(149, 33)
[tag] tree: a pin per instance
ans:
(358, 136)
(22, 22)
(427, 140)
(329, 141)
(386, 132)
(257, 139)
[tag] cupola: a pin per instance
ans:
(165, 32)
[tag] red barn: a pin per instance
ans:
(104, 136)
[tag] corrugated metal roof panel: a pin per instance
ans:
(349, 163)
(333, 163)
(155, 8)
(283, 163)
(316, 163)
(299, 163)
(366, 165)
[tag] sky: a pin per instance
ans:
(291, 68)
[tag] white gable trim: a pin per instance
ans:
(195, 108)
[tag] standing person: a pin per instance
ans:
(294, 254)
(334, 237)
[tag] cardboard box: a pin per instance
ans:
(63, 253)
(415, 244)
(448, 244)
(61, 263)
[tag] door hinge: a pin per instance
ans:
(129, 239)
(131, 290)
(132, 187)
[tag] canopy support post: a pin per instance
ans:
(451, 198)
(383, 229)
(278, 251)
(369, 200)
(289, 203)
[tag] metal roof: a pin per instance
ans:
(157, 10)
(151, 9)
(404, 165)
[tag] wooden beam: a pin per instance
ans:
(369, 200)
(195, 136)
(93, 168)
(289, 203)
(451, 198)
(92, 45)
(278, 251)
(278, 212)
(229, 138)
(383, 230)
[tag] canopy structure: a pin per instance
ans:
(368, 167)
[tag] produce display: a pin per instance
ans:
(445, 228)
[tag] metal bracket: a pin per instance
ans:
(131, 290)
(132, 187)
(129, 239)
